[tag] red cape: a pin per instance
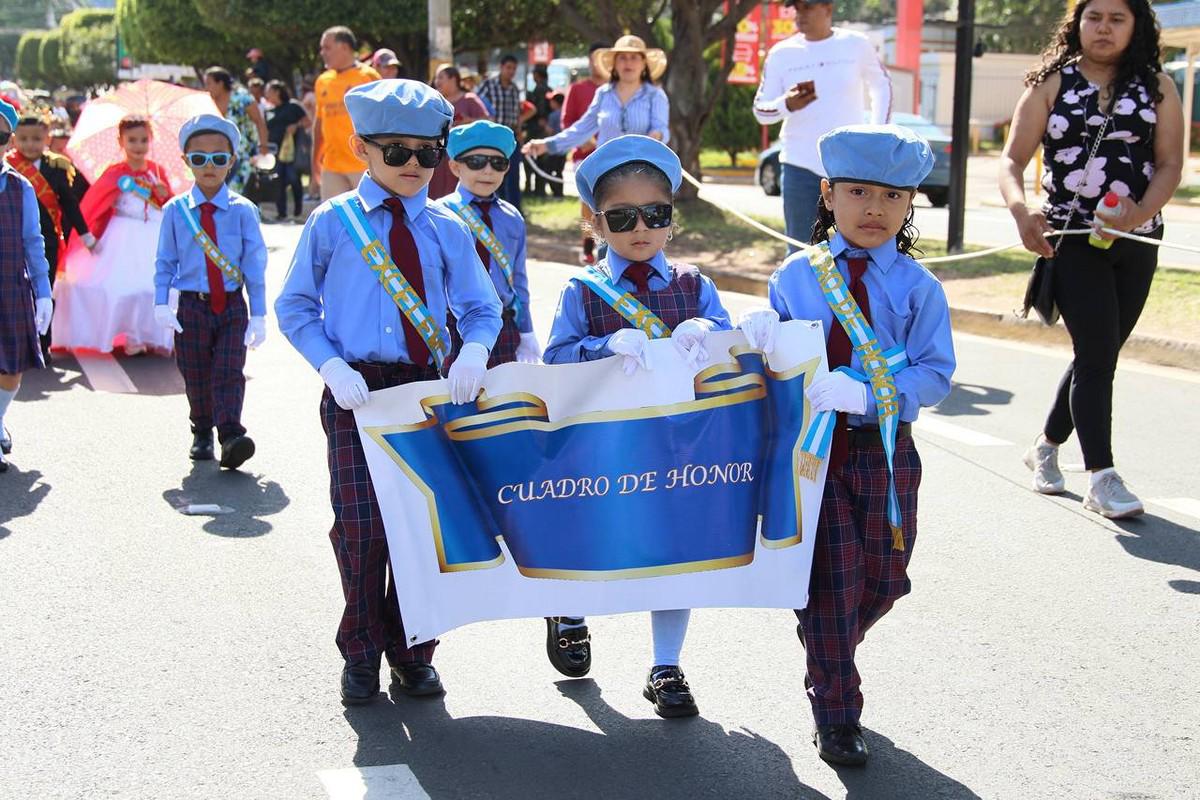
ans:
(97, 204)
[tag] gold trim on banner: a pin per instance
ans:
(638, 572)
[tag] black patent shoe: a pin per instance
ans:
(360, 683)
(669, 691)
(202, 447)
(236, 451)
(417, 679)
(841, 744)
(569, 649)
(5, 442)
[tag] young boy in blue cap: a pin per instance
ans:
(341, 307)
(209, 247)
(614, 308)
(480, 154)
(889, 347)
(25, 305)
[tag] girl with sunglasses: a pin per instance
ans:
(105, 297)
(629, 183)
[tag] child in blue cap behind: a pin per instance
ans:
(479, 157)
(25, 304)
(365, 301)
(629, 183)
(891, 354)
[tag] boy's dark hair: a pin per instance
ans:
(541, 69)
(131, 121)
(285, 94)
(614, 176)
(341, 33)
(508, 58)
(906, 239)
(32, 120)
(221, 76)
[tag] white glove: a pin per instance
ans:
(837, 391)
(348, 387)
(43, 311)
(688, 337)
(466, 373)
(760, 327)
(88, 240)
(634, 345)
(256, 332)
(164, 317)
(529, 351)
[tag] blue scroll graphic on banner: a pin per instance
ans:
(613, 494)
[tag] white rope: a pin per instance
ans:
(804, 246)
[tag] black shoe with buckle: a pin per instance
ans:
(360, 683)
(236, 451)
(202, 446)
(841, 744)
(569, 649)
(669, 691)
(418, 679)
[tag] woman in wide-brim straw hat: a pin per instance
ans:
(628, 103)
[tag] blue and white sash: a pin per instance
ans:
(624, 303)
(488, 238)
(227, 267)
(354, 219)
(878, 368)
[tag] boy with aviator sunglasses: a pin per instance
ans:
(209, 246)
(480, 154)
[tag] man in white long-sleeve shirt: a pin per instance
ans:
(813, 82)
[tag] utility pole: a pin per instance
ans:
(960, 128)
(441, 38)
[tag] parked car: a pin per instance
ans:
(936, 187)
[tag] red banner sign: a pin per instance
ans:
(745, 48)
(541, 52)
(781, 23)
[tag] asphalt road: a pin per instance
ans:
(1044, 652)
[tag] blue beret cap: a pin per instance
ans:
(209, 123)
(481, 133)
(620, 151)
(9, 112)
(889, 155)
(398, 107)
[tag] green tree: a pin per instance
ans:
(731, 127)
(1017, 26)
(29, 67)
(173, 32)
(50, 58)
(89, 48)
(8, 53)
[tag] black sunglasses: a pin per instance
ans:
(397, 155)
(478, 162)
(623, 220)
(198, 159)
(5, 136)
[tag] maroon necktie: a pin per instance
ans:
(406, 257)
(216, 281)
(639, 273)
(485, 214)
(838, 350)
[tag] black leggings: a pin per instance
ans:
(289, 178)
(1101, 294)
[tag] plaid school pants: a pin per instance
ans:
(211, 356)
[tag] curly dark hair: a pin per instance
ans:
(906, 239)
(1141, 60)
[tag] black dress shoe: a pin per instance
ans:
(202, 447)
(668, 690)
(841, 744)
(418, 679)
(236, 452)
(360, 683)
(5, 442)
(3, 463)
(569, 649)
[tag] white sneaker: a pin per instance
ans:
(1042, 458)
(1109, 498)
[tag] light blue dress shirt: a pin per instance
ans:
(646, 112)
(908, 307)
(332, 305)
(509, 227)
(180, 263)
(569, 338)
(36, 266)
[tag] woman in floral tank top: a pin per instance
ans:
(1100, 77)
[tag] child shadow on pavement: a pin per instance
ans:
(21, 492)
(250, 497)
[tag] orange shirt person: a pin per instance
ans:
(333, 163)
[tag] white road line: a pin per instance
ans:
(957, 433)
(104, 373)
(1180, 505)
(390, 782)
